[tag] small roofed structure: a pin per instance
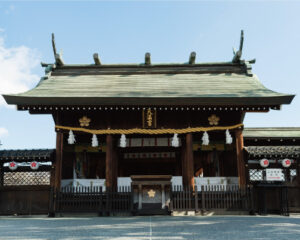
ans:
(26, 154)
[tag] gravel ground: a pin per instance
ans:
(155, 227)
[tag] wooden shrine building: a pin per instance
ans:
(148, 129)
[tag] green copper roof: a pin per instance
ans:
(198, 84)
(283, 132)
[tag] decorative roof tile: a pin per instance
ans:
(34, 154)
(273, 151)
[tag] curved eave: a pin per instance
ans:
(160, 101)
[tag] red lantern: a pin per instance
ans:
(264, 162)
(286, 163)
(34, 165)
(12, 166)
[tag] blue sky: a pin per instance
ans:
(121, 32)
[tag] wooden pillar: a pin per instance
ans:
(163, 196)
(115, 167)
(1, 175)
(298, 172)
(58, 160)
(240, 157)
(109, 163)
(52, 172)
(183, 164)
(190, 160)
(140, 197)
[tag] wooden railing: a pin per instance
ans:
(225, 197)
(211, 197)
(183, 199)
(93, 199)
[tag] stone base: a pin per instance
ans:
(221, 212)
(183, 213)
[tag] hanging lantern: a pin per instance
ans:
(228, 137)
(34, 165)
(13, 166)
(264, 162)
(205, 139)
(175, 140)
(123, 141)
(95, 141)
(71, 139)
(286, 163)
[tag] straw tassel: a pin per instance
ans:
(95, 141)
(71, 139)
(123, 141)
(205, 139)
(175, 140)
(228, 137)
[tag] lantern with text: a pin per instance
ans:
(12, 166)
(34, 165)
(264, 162)
(286, 163)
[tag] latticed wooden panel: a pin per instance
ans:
(256, 174)
(26, 178)
(293, 172)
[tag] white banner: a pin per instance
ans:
(274, 174)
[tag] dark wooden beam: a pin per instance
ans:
(147, 59)
(256, 111)
(298, 173)
(109, 167)
(243, 114)
(1, 175)
(190, 160)
(115, 168)
(96, 59)
(241, 167)
(59, 158)
(183, 163)
(192, 59)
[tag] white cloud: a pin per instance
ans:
(16, 69)
(10, 9)
(3, 132)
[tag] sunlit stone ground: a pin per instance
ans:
(158, 227)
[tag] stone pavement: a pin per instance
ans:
(155, 227)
